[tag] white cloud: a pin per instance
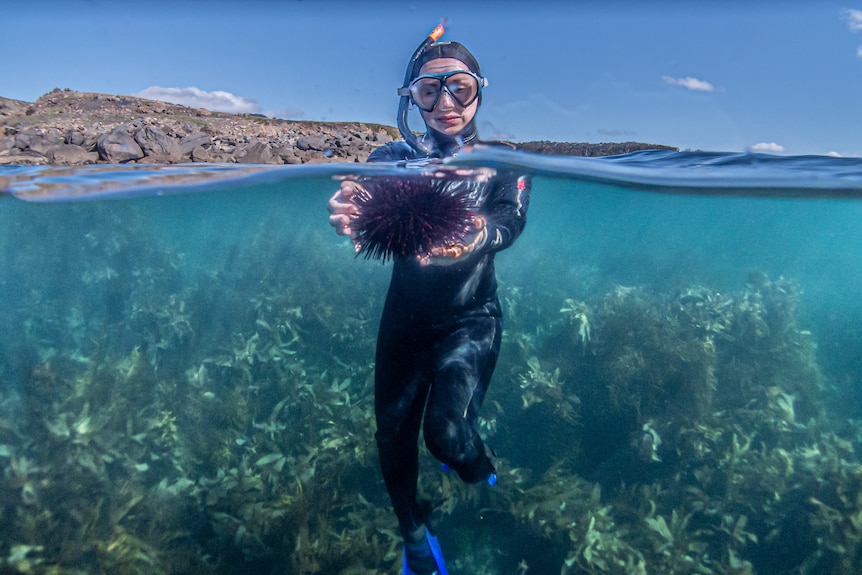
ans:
(835, 154)
(770, 147)
(854, 19)
(859, 52)
(690, 83)
(217, 101)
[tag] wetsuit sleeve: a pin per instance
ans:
(506, 211)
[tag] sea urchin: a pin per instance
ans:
(408, 215)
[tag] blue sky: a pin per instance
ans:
(720, 76)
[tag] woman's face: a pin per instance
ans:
(448, 116)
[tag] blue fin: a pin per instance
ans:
(434, 545)
(492, 479)
(437, 553)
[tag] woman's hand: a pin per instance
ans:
(446, 255)
(343, 210)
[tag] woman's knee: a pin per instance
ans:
(459, 446)
(445, 439)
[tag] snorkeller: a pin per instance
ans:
(424, 91)
(441, 326)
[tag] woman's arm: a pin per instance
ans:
(507, 210)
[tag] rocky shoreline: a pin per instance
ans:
(66, 127)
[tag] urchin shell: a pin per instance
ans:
(406, 216)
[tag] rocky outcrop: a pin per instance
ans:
(583, 149)
(72, 128)
(68, 127)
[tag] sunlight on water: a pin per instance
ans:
(186, 380)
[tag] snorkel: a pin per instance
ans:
(404, 103)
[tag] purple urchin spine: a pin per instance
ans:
(407, 216)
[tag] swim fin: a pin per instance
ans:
(492, 479)
(434, 545)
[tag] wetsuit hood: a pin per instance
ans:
(439, 50)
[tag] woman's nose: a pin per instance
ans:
(446, 101)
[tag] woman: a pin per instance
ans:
(439, 336)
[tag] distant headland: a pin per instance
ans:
(65, 127)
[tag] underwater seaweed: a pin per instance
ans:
(164, 418)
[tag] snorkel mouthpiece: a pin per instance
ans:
(404, 103)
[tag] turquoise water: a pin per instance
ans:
(186, 367)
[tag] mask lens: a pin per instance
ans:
(461, 86)
(425, 92)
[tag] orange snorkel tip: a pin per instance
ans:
(437, 32)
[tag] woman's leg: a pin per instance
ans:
(401, 382)
(464, 363)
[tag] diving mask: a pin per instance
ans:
(461, 85)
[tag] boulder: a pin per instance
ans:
(39, 144)
(54, 135)
(23, 139)
(253, 153)
(22, 159)
(91, 142)
(155, 142)
(194, 140)
(311, 143)
(71, 155)
(75, 137)
(286, 154)
(118, 147)
(200, 154)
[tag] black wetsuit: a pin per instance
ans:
(438, 343)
